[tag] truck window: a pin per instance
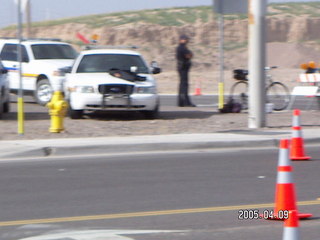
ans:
(10, 53)
(53, 51)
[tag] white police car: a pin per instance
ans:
(112, 80)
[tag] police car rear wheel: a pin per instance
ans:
(43, 92)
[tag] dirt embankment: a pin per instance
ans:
(290, 40)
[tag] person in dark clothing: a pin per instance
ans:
(184, 55)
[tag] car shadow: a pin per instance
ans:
(290, 126)
(170, 115)
(135, 116)
(118, 116)
(27, 116)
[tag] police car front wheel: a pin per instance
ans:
(151, 114)
(75, 114)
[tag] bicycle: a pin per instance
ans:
(276, 92)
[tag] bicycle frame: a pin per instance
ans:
(276, 92)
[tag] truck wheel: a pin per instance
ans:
(1, 108)
(75, 114)
(6, 107)
(43, 93)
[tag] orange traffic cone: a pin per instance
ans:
(297, 143)
(198, 88)
(285, 196)
(291, 227)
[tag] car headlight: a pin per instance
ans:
(145, 90)
(82, 89)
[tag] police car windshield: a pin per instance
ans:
(53, 51)
(95, 63)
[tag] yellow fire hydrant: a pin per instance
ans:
(57, 110)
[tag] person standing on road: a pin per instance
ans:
(184, 56)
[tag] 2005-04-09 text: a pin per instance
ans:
(252, 214)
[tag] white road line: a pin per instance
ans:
(97, 234)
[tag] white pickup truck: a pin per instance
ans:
(42, 61)
(112, 80)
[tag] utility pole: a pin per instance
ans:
(257, 61)
(28, 19)
(20, 91)
(221, 61)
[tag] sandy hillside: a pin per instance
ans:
(292, 30)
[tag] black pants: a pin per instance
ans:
(183, 98)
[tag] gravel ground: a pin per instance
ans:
(173, 120)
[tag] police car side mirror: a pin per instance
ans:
(154, 64)
(67, 69)
(25, 59)
(156, 70)
(155, 67)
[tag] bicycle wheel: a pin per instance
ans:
(239, 93)
(278, 94)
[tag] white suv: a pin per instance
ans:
(112, 79)
(4, 91)
(41, 64)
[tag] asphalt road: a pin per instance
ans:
(181, 191)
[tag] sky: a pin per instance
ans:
(55, 9)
